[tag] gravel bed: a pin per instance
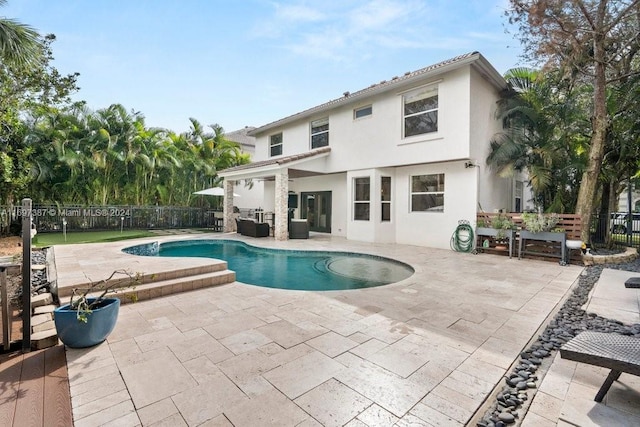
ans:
(39, 283)
(568, 322)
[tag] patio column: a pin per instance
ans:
(227, 207)
(281, 231)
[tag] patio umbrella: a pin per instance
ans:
(214, 191)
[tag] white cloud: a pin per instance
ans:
(380, 14)
(298, 13)
(347, 30)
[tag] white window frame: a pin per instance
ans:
(421, 93)
(317, 124)
(363, 109)
(366, 201)
(519, 193)
(438, 190)
(384, 202)
(277, 144)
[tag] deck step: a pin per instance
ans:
(162, 288)
(44, 339)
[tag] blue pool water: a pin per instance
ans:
(286, 269)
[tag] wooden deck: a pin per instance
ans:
(34, 389)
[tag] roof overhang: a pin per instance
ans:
(304, 164)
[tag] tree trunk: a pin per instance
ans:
(589, 184)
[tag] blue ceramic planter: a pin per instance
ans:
(100, 322)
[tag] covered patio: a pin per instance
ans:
(280, 170)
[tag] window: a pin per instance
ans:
(385, 198)
(361, 199)
(427, 193)
(320, 133)
(275, 144)
(421, 111)
(518, 198)
(362, 112)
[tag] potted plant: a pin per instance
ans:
(501, 228)
(538, 226)
(539, 223)
(504, 227)
(92, 312)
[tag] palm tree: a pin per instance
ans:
(20, 44)
(542, 135)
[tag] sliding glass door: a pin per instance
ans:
(316, 208)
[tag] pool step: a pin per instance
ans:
(161, 279)
(172, 286)
(158, 288)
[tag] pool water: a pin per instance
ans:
(287, 269)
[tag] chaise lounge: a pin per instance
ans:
(619, 353)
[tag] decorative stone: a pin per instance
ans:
(44, 339)
(41, 318)
(44, 309)
(521, 385)
(513, 382)
(44, 326)
(41, 299)
(507, 418)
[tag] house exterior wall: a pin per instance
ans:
(376, 140)
(434, 229)
(334, 183)
(373, 146)
(493, 192)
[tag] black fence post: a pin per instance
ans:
(26, 275)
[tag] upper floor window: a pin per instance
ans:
(361, 199)
(421, 111)
(275, 144)
(320, 133)
(362, 112)
(427, 193)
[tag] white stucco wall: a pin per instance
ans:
(373, 230)
(434, 229)
(376, 141)
(494, 192)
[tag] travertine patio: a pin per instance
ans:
(426, 351)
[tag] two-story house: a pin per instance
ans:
(401, 161)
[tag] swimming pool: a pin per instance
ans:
(287, 269)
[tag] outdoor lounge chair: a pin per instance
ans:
(248, 227)
(619, 353)
(298, 229)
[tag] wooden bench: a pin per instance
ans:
(619, 353)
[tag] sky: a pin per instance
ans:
(241, 63)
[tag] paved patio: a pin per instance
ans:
(565, 395)
(424, 351)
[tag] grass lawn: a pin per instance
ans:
(57, 238)
(624, 239)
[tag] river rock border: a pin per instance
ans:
(521, 382)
